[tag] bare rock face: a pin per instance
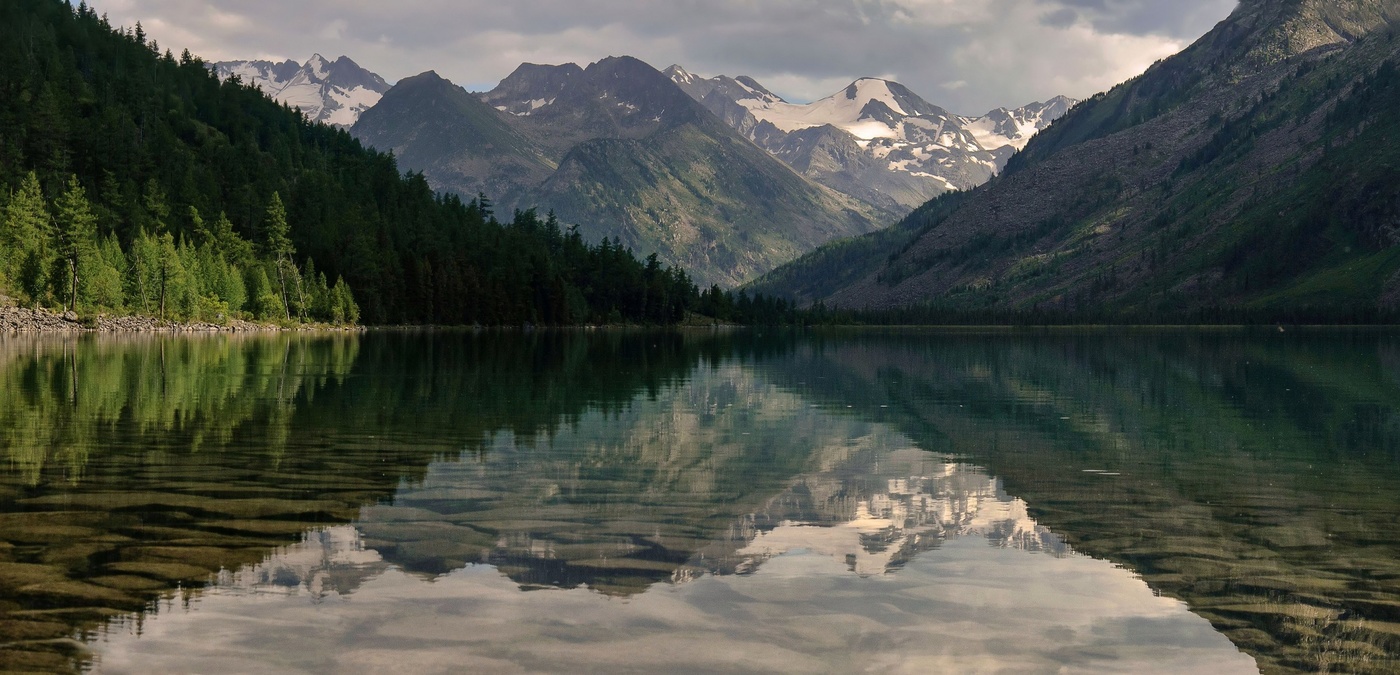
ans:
(620, 150)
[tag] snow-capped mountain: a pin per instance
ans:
(876, 139)
(1008, 131)
(331, 92)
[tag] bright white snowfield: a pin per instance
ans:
(910, 140)
(335, 93)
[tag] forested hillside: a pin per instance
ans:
(133, 181)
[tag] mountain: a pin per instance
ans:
(875, 140)
(332, 92)
(428, 122)
(1252, 176)
(622, 151)
(1006, 131)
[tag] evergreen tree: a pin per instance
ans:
(277, 245)
(76, 236)
(143, 273)
(104, 288)
(24, 242)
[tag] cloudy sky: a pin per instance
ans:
(967, 55)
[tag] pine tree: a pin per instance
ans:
(344, 308)
(157, 207)
(172, 272)
(278, 245)
(104, 288)
(77, 236)
(143, 271)
(25, 239)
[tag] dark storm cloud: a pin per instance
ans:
(968, 55)
(1185, 20)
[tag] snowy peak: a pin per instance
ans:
(334, 93)
(318, 67)
(875, 139)
(1002, 128)
(893, 95)
(679, 75)
(868, 109)
(734, 89)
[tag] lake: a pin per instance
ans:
(1115, 500)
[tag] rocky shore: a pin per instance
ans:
(22, 320)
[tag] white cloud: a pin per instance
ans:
(1006, 52)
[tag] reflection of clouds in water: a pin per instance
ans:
(967, 607)
(912, 515)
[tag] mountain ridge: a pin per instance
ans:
(909, 150)
(334, 92)
(1223, 181)
(622, 151)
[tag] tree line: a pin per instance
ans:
(52, 253)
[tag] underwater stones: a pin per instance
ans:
(130, 583)
(70, 592)
(170, 572)
(17, 575)
(399, 532)
(1293, 536)
(35, 661)
(19, 630)
(265, 527)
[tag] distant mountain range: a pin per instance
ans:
(1254, 175)
(875, 140)
(618, 148)
(336, 93)
(718, 175)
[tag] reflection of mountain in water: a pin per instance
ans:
(617, 500)
(932, 499)
(872, 521)
(680, 485)
(330, 561)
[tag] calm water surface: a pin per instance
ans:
(1117, 501)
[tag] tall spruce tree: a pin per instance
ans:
(24, 241)
(76, 238)
(277, 244)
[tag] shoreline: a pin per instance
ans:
(21, 320)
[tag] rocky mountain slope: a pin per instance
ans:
(431, 124)
(332, 92)
(875, 140)
(1252, 175)
(622, 151)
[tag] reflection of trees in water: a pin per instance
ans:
(70, 397)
